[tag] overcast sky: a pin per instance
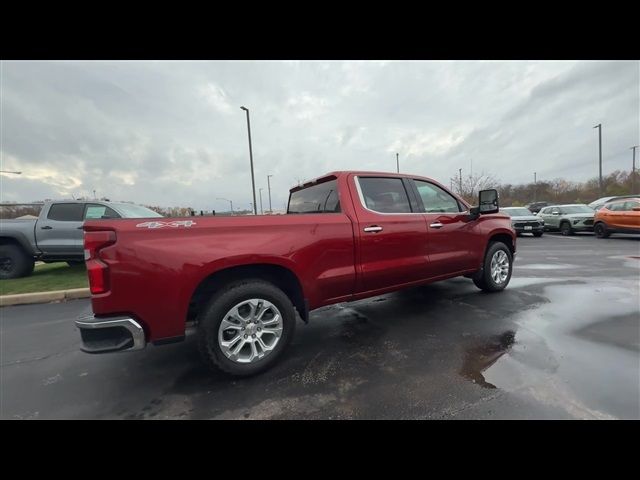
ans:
(172, 133)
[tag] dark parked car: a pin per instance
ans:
(536, 206)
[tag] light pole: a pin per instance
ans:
(633, 169)
(253, 183)
(269, 187)
(599, 127)
(261, 211)
(535, 186)
(6, 171)
(460, 192)
(230, 203)
(397, 163)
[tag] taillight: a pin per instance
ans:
(96, 269)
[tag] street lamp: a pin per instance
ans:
(253, 183)
(230, 203)
(269, 187)
(397, 163)
(633, 169)
(535, 186)
(599, 127)
(261, 211)
(6, 171)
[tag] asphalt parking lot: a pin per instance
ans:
(562, 342)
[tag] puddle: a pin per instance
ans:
(546, 266)
(480, 358)
(578, 351)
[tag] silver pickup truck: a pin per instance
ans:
(56, 235)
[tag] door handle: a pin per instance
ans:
(46, 227)
(373, 228)
(436, 225)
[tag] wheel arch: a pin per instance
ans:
(14, 240)
(282, 277)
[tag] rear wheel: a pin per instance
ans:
(601, 231)
(497, 268)
(245, 328)
(565, 229)
(15, 262)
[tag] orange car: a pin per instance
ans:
(618, 216)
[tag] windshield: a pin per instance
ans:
(517, 212)
(577, 209)
(129, 210)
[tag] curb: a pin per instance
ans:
(44, 297)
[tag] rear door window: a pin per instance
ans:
(384, 195)
(66, 212)
(319, 198)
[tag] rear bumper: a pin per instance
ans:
(110, 334)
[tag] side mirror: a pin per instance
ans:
(555, 213)
(488, 202)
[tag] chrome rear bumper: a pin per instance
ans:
(110, 334)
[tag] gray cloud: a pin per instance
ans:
(172, 133)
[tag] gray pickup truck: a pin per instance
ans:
(56, 235)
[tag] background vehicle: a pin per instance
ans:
(56, 235)
(599, 203)
(619, 216)
(568, 218)
(346, 236)
(536, 206)
(523, 221)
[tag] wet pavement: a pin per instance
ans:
(563, 341)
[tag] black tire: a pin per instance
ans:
(15, 262)
(537, 234)
(600, 229)
(483, 279)
(565, 229)
(213, 314)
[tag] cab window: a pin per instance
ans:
(319, 198)
(66, 212)
(384, 195)
(94, 212)
(435, 199)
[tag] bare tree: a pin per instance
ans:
(471, 184)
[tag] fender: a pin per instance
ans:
(21, 239)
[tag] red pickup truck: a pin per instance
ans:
(239, 280)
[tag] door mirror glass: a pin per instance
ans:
(488, 201)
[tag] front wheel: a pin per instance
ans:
(245, 328)
(601, 230)
(537, 234)
(496, 269)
